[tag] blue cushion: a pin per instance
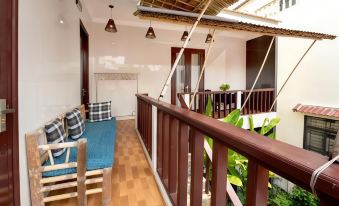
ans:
(100, 148)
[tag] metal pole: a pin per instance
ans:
(168, 81)
(259, 73)
(202, 71)
(289, 76)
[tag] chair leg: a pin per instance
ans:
(107, 187)
(81, 172)
(33, 160)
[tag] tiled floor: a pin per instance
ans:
(132, 181)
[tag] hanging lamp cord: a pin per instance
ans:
(317, 172)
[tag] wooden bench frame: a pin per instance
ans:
(38, 153)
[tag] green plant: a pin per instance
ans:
(237, 164)
(301, 197)
(266, 127)
(224, 87)
(279, 197)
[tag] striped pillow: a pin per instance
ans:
(99, 111)
(55, 133)
(75, 124)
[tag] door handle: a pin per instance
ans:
(84, 92)
(4, 110)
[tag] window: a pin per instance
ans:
(285, 4)
(319, 134)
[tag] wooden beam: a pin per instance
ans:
(197, 156)
(107, 187)
(219, 172)
(68, 177)
(81, 172)
(33, 163)
(70, 184)
(58, 167)
(257, 184)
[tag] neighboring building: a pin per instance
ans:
(315, 81)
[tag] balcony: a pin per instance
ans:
(224, 102)
(170, 135)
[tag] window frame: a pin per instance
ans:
(324, 132)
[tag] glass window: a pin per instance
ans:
(319, 134)
(281, 5)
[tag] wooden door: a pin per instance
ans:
(84, 65)
(9, 146)
(187, 72)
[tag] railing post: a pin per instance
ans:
(219, 174)
(160, 139)
(165, 147)
(182, 164)
(197, 141)
(173, 158)
(257, 184)
(154, 137)
(239, 99)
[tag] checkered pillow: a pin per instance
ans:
(55, 133)
(99, 111)
(75, 124)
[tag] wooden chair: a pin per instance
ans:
(38, 152)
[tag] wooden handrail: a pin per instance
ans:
(290, 162)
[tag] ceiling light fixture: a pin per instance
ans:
(185, 35)
(110, 27)
(150, 32)
(209, 38)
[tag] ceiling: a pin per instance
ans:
(122, 11)
(123, 15)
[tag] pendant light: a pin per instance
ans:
(110, 27)
(208, 38)
(184, 35)
(150, 32)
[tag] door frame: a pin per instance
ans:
(84, 64)
(14, 177)
(174, 51)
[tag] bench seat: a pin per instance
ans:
(100, 148)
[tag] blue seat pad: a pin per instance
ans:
(100, 148)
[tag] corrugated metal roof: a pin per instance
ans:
(317, 110)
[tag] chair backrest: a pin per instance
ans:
(40, 135)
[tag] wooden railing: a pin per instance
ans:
(223, 103)
(179, 129)
(144, 123)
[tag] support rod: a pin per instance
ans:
(259, 73)
(202, 71)
(168, 81)
(289, 76)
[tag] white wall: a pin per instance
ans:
(129, 51)
(316, 80)
(49, 68)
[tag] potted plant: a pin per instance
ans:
(224, 87)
